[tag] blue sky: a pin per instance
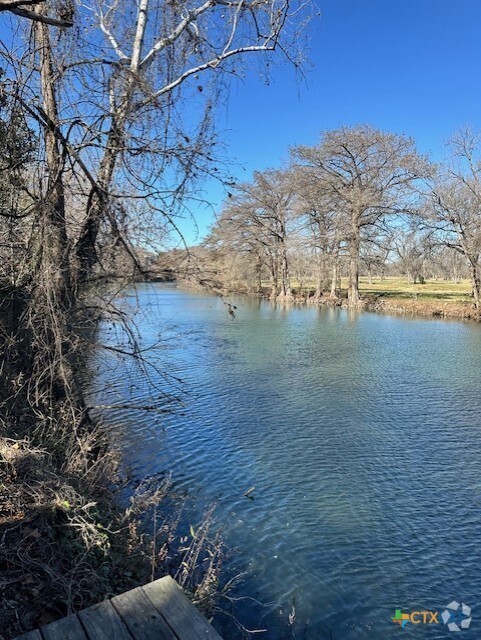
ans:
(410, 66)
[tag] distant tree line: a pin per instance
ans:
(359, 201)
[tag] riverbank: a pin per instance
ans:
(74, 531)
(64, 544)
(67, 543)
(434, 299)
(419, 307)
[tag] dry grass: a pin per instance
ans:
(435, 298)
(400, 288)
(52, 544)
(65, 545)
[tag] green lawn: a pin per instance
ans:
(400, 288)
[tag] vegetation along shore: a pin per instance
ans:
(360, 219)
(394, 295)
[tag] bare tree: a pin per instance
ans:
(324, 227)
(126, 114)
(257, 217)
(234, 257)
(455, 211)
(413, 247)
(370, 175)
(446, 263)
(154, 71)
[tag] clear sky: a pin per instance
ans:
(407, 66)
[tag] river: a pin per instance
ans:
(360, 432)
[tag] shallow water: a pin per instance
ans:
(360, 432)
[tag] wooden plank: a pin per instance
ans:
(31, 635)
(102, 622)
(141, 617)
(65, 629)
(181, 615)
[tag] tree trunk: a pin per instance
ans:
(285, 292)
(353, 290)
(475, 284)
(49, 309)
(53, 266)
(274, 278)
(85, 249)
(322, 280)
(86, 252)
(259, 274)
(335, 279)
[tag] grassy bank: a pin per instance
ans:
(434, 298)
(401, 289)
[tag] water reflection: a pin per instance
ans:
(361, 434)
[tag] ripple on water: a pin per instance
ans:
(361, 435)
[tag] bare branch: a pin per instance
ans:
(211, 64)
(17, 9)
(189, 18)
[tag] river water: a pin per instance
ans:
(360, 432)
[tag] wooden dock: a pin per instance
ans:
(158, 611)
